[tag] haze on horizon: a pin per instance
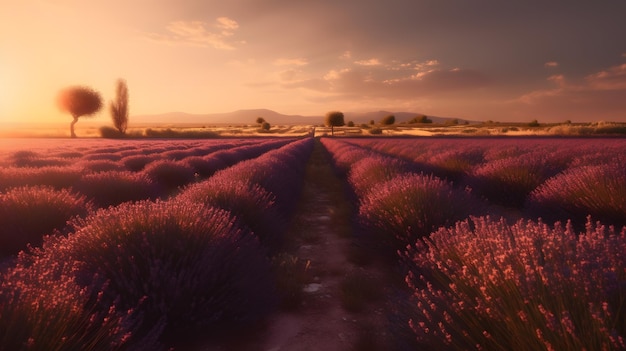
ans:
(478, 60)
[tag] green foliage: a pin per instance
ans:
(533, 123)
(350, 124)
(376, 131)
(420, 119)
(265, 126)
(388, 120)
(119, 107)
(79, 101)
(110, 133)
(260, 120)
(334, 119)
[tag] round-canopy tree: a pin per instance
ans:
(389, 120)
(119, 107)
(334, 119)
(79, 101)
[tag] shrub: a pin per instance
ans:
(186, 263)
(101, 166)
(410, 206)
(28, 213)
(525, 287)
(509, 181)
(102, 156)
(136, 163)
(27, 158)
(376, 131)
(42, 308)
(169, 175)
(249, 202)
(54, 176)
(455, 165)
(598, 190)
(205, 166)
(366, 174)
(113, 188)
(111, 133)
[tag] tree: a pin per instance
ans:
(260, 120)
(334, 119)
(389, 120)
(265, 126)
(421, 119)
(79, 101)
(119, 107)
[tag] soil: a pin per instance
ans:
(321, 232)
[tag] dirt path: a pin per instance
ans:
(321, 233)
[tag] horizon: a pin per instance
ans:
(484, 60)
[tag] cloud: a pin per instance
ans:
(291, 62)
(599, 95)
(370, 62)
(199, 33)
(551, 64)
(394, 82)
(613, 78)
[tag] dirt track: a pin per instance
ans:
(320, 233)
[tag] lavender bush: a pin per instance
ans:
(597, 190)
(42, 308)
(411, 206)
(180, 261)
(169, 175)
(105, 189)
(58, 177)
(509, 181)
(253, 206)
(486, 285)
(366, 174)
(29, 213)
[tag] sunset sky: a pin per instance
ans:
(472, 59)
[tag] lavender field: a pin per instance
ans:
(499, 244)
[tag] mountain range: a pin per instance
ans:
(274, 118)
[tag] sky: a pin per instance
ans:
(480, 60)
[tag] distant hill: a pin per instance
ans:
(235, 117)
(273, 117)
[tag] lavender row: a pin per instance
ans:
(487, 284)
(397, 202)
(41, 200)
(556, 179)
(145, 275)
